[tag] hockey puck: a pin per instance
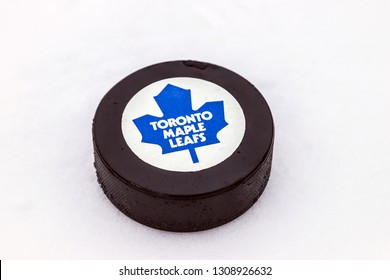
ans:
(183, 145)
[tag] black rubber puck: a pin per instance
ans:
(183, 145)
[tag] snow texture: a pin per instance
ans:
(323, 66)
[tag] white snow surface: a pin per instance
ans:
(323, 66)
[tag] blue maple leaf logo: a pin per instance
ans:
(182, 128)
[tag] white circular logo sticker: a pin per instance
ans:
(183, 124)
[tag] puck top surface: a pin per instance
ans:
(183, 128)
